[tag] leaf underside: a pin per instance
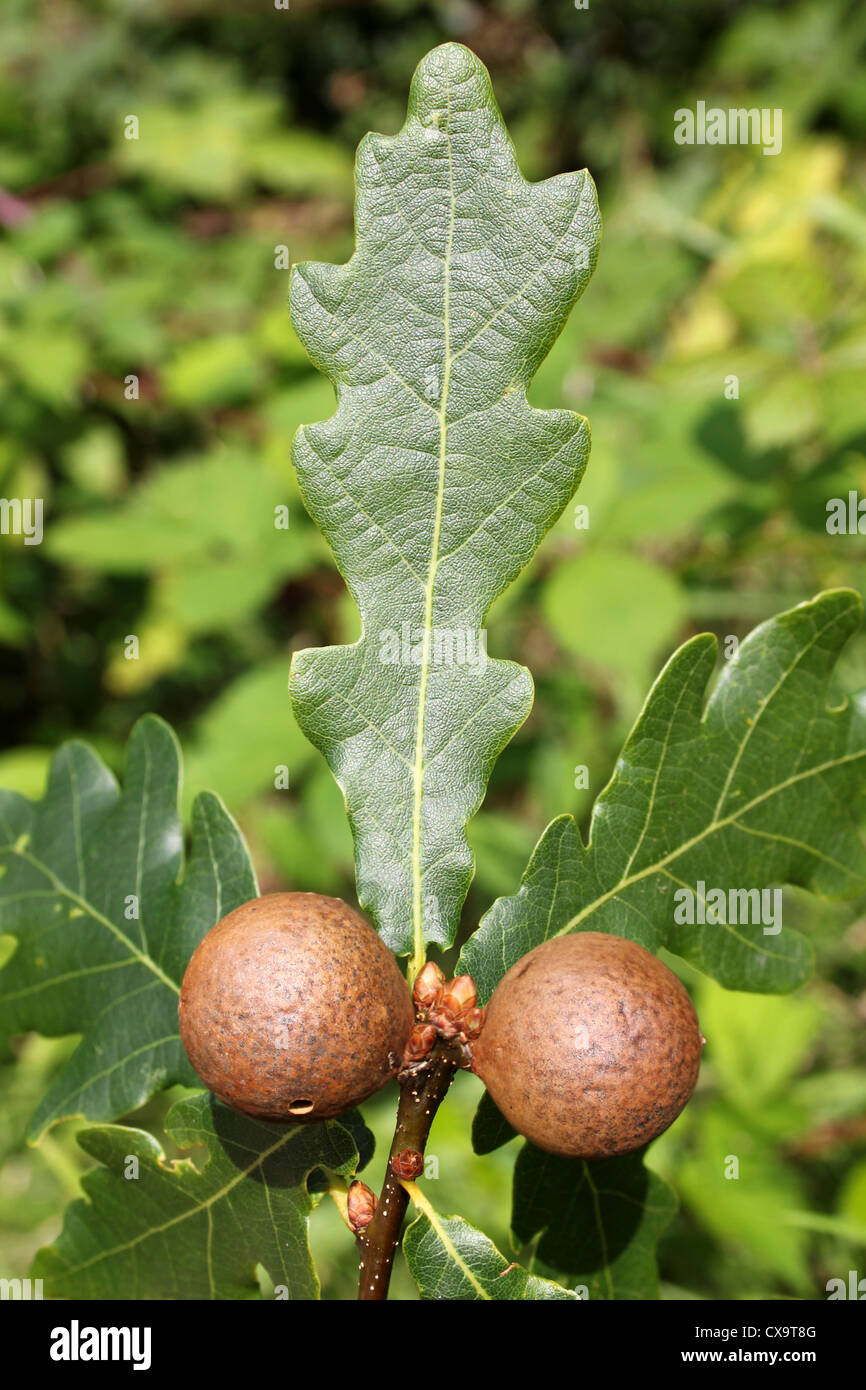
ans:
(93, 887)
(757, 788)
(435, 480)
(184, 1230)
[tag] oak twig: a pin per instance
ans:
(422, 1094)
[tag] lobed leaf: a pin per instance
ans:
(105, 916)
(758, 788)
(174, 1229)
(435, 480)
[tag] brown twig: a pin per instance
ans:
(421, 1097)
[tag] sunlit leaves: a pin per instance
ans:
(754, 787)
(449, 1259)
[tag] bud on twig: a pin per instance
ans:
(428, 985)
(420, 1043)
(472, 1022)
(361, 1206)
(460, 994)
(407, 1164)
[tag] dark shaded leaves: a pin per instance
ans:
(195, 1230)
(599, 1221)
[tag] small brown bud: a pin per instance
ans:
(361, 1205)
(446, 1025)
(472, 1022)
(420, 1043)
(428, 984)
(407, 1164)
(460, 995)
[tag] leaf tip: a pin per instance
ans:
(439, 72)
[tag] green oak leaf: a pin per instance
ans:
(195, 1230)
(435, 480)
(599, 1221)
(93, 888)
(365, 1146)
(757, 788)
(449, 1259)
(490, 1129)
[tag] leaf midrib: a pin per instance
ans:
(661, 864)
(599, 1225)
(418, 953)
(425, 1209)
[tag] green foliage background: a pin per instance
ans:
(156, 257)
